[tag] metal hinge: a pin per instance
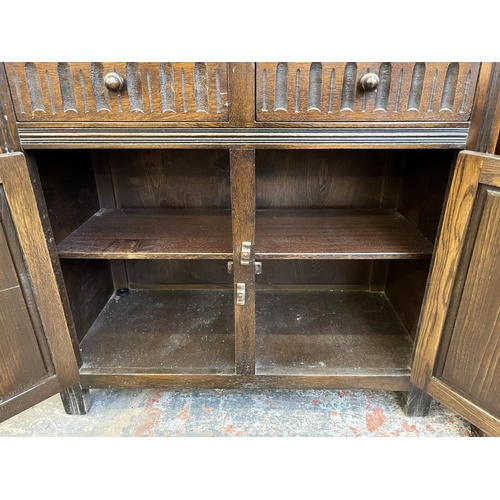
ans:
(246, 252)
(230, 266)
(240, 294)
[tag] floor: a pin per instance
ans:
(236, 413)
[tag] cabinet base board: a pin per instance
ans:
(99, 380)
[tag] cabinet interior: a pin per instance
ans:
(345, 238)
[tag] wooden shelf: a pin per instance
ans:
(330, 333)
(337, 234)
(151, 234)
(162, 331)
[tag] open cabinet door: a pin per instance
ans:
(457, 357)
(37, 359)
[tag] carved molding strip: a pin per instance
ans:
(451, 137)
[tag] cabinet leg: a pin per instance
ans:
(416, 403)
(76, 400)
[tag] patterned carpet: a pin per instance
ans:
(286, 413)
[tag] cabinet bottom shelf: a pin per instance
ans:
(305, 339)
(162, 331)
(330, 333)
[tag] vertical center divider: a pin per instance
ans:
(242, 164)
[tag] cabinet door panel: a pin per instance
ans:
(472, 362)
(457, 357)
(36, 355)
(18, 339)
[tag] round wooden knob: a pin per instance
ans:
(368, 82)
(114, 82)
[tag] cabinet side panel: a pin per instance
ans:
(405, 288)
(472, 361)
(69, 189)
(89, 285)
(425, 178)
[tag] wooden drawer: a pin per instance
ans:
(323, 92)
(76, 92)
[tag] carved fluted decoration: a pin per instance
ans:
(77, 92)
(319, 92)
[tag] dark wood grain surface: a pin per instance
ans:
(176, 178)
(166, 331)
(144, 273)
(129, 380)
(26, 219)
(464, 406)
(473, 357)
(329, 333)
(243, 218)
(69, 189)
(316, 272)
(241, 94)
(457, 354)
(104, 185)
(55, 341)
(329, 91)
(326, 179)
(50, 241)
(21, 360)
(339, 234)
(89, 285)
(485, 120)
(151, 234)
(9, 136)
(405, 288)
(75, 92)
(425, 177)
(444, 265)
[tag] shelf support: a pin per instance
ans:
(243, 221)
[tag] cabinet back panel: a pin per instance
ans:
(155, 273)
(315, 272)
(69, 188)
(325, 179)
(170, 178)
(191, 179)
(144, 273)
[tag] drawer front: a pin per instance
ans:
(324, 92)
(76, 92)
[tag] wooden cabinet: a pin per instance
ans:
(274, 243)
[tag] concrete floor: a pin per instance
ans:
(236, 413)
